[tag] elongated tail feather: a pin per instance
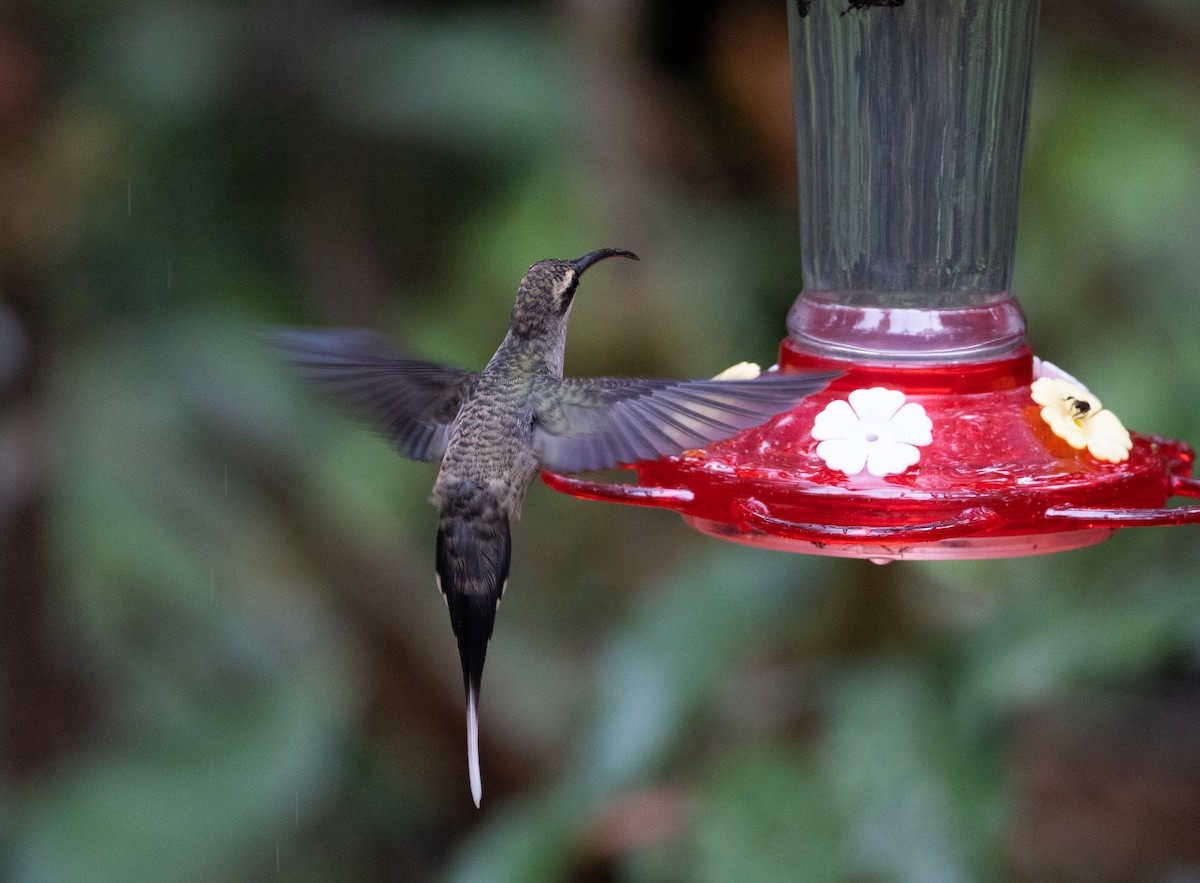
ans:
(473, 554)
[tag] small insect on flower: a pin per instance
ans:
(1077, 417)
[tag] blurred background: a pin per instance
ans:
(222, 653)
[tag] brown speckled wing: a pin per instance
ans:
(597, 423)
(412, 402)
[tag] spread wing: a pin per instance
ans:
(597, 423)
(413, 402)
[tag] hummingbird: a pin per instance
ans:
(493, 430)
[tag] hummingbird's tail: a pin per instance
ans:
(473, 553)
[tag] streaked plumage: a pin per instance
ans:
(493, 430)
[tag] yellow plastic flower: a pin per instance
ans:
(740, 371)
(1077, 417)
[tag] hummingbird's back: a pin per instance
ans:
(491, 445)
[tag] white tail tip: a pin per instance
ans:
(473, 749)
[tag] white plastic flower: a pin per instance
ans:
(1043, 368)
(876, 430)
(1077, 417)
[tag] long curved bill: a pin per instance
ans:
(581, 264)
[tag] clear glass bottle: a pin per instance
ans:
(910, 129)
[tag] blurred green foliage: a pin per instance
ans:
(223, 654)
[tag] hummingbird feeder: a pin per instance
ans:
(944, 437)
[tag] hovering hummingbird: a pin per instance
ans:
(494, 429)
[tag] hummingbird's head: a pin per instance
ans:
(548, 289)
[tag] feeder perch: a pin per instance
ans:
(910, 124)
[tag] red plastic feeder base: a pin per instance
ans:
(995, 481)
